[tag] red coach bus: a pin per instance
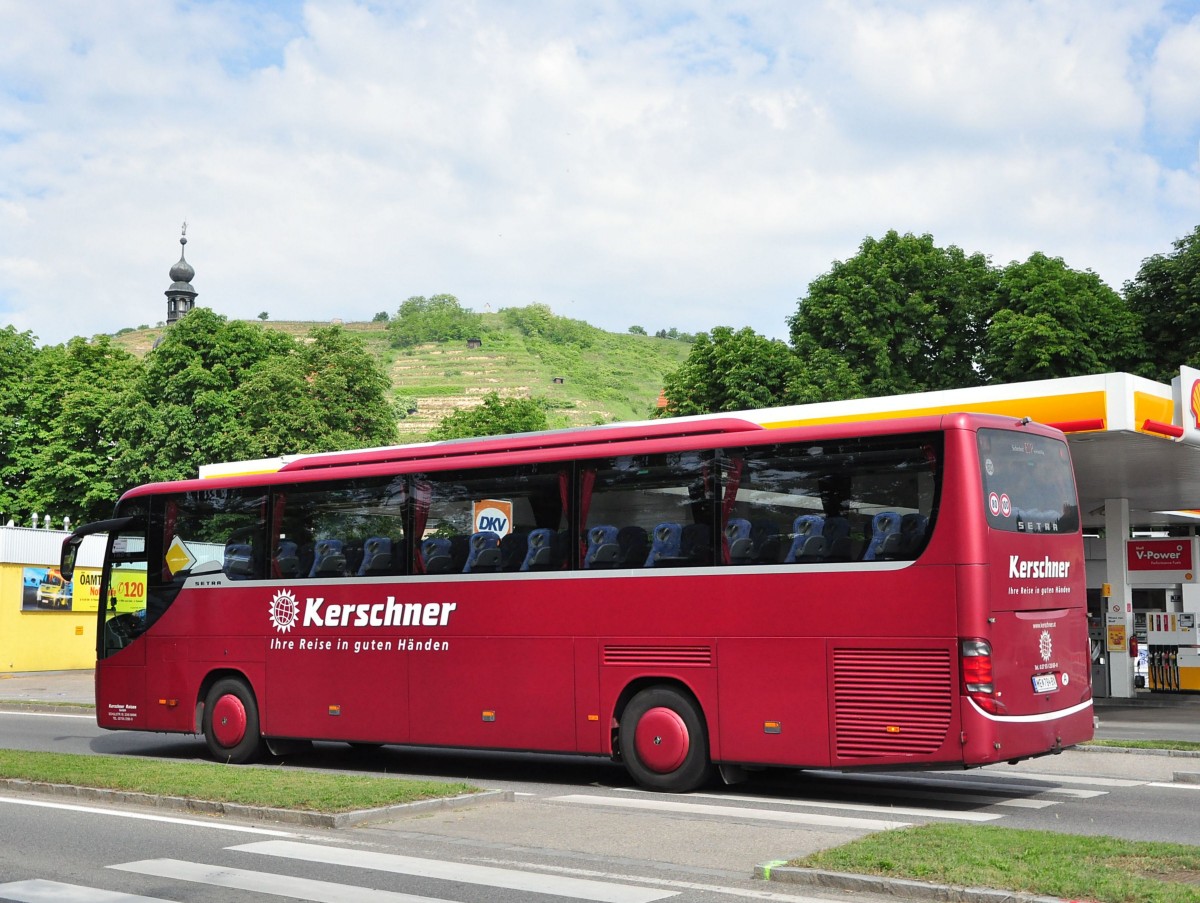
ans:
(680, 595)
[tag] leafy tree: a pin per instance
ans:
(182, 412)
(1165, 294)
(264, 316)
(538, 321)
(674, 333)
(349, 389)
(731, 371)
(437, 319)
(903, 315)
(1049, 321)
(381, 317)
(637, 330)
(76, 401)
(17, 353)
(495, 416)
(215, 390)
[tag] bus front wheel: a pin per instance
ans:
(231, 723)
(663, 742)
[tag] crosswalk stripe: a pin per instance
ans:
(40, 891)
(288, 886)
(793, 818)
(981, 798)
(145, 816)
(1072, 779)
(954, 785)
(491, 876)
(854, 807)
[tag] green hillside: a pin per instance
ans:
(598, 377)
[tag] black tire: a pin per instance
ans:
(663, 741)
(231, 727)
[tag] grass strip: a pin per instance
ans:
(270, 786)
(1101, 869)
(1178, 745)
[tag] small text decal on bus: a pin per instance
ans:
(1045, 569)
(285, 612)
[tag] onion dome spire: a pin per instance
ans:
(181, 297)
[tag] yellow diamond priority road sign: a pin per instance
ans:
(179, 557)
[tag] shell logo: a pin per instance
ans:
(1196, 403)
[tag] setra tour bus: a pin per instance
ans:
(717, 592)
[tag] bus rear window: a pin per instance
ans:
(1028, 486)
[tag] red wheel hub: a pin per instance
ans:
(662, 740)
(229, 720)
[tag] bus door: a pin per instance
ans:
(120, 659)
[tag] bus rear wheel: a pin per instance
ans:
(663, 741)
(231, 723)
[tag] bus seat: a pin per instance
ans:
(666, 547)
(737, 540)
(695, 544)
(513, 549)
(460, 550)
(239, 560)
(329, 559)
(808, 539)
(837, 538)
(908, 540)
(539, 553)
(633, 544)
(602, 548)
(883, 525)
(377, 557)
(483, 555)
(435, 555)
(287, 559)
(766, 546)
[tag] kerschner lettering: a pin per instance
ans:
(1046, 569)
(379, 614)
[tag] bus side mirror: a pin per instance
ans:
(66, 562)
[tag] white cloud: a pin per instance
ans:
(686, 166)
(1175, 81)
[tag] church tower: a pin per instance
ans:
(181, 297)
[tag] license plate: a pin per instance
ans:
(1045, 683)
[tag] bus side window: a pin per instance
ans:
(648, 511)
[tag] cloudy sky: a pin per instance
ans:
(665, 164)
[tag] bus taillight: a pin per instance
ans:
(977, 673)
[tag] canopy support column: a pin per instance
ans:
(1118, 607)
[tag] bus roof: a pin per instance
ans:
(619, 439)
(575, 437)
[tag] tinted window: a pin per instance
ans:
(648, 511)
(343, 529)
(492, 520)
(1028, 486)
(845, 500)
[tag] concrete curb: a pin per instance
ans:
(1134, 751)
(900, 888)
(65, 708)
(256, 813)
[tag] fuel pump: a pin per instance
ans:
(1174, 644)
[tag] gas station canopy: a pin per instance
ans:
(1131, 438)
